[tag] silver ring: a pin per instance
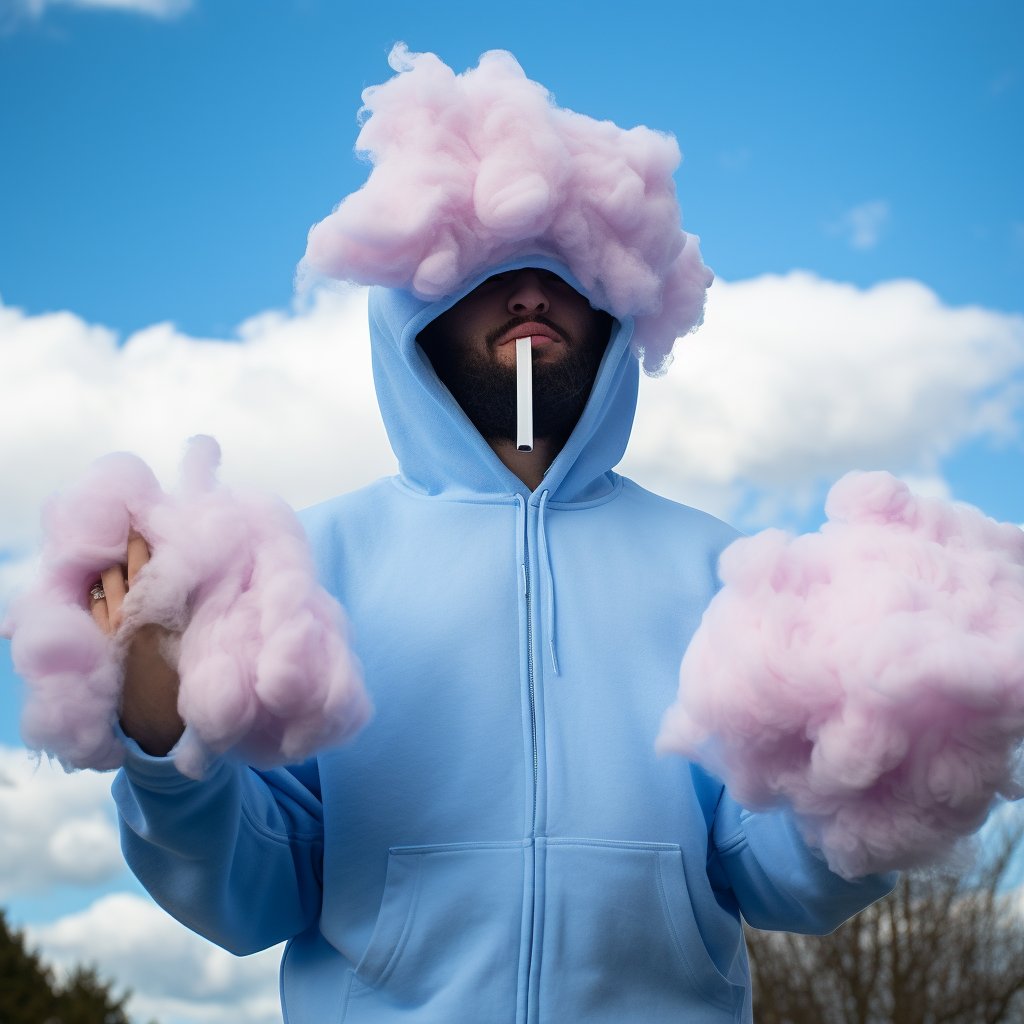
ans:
(96, 592)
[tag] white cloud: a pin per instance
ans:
(16, 573)
(54, 828)
(152, 8)
(292, 404)
(928, 486)
(794, 380)
(863, 225)
(175, 975)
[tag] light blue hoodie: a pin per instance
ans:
(501, 843)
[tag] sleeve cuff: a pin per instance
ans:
(149, 769)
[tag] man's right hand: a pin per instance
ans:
(149, 706)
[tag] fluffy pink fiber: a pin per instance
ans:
(869, 676)
(474, 169)
(265, 668)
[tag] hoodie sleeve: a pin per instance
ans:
(237, 857)
(779, 883)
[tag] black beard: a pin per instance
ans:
(486, 389)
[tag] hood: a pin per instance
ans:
(439, 450)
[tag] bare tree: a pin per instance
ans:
(937, 950)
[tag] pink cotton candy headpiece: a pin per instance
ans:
(473, 170)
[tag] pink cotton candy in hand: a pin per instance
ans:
(265, 668)
(476, 169)
(869, 676)
(72, 670)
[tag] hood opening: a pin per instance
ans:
(441, 452)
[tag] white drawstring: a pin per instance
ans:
(549, 578)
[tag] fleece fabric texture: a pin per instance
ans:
(501, 843)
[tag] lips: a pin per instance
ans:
(541, 334)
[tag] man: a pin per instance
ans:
(500, 843)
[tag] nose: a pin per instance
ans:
(528, 297)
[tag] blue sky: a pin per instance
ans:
(168, 168)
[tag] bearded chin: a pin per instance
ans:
(486, 390)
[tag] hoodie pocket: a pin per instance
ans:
(446, 942)
(620, 941)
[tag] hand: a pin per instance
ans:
(149, 706)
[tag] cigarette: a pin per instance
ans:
(524, 394)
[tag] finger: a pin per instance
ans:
(113, 588)
(138, 554)
(99, 613)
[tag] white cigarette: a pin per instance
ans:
(524, 394)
